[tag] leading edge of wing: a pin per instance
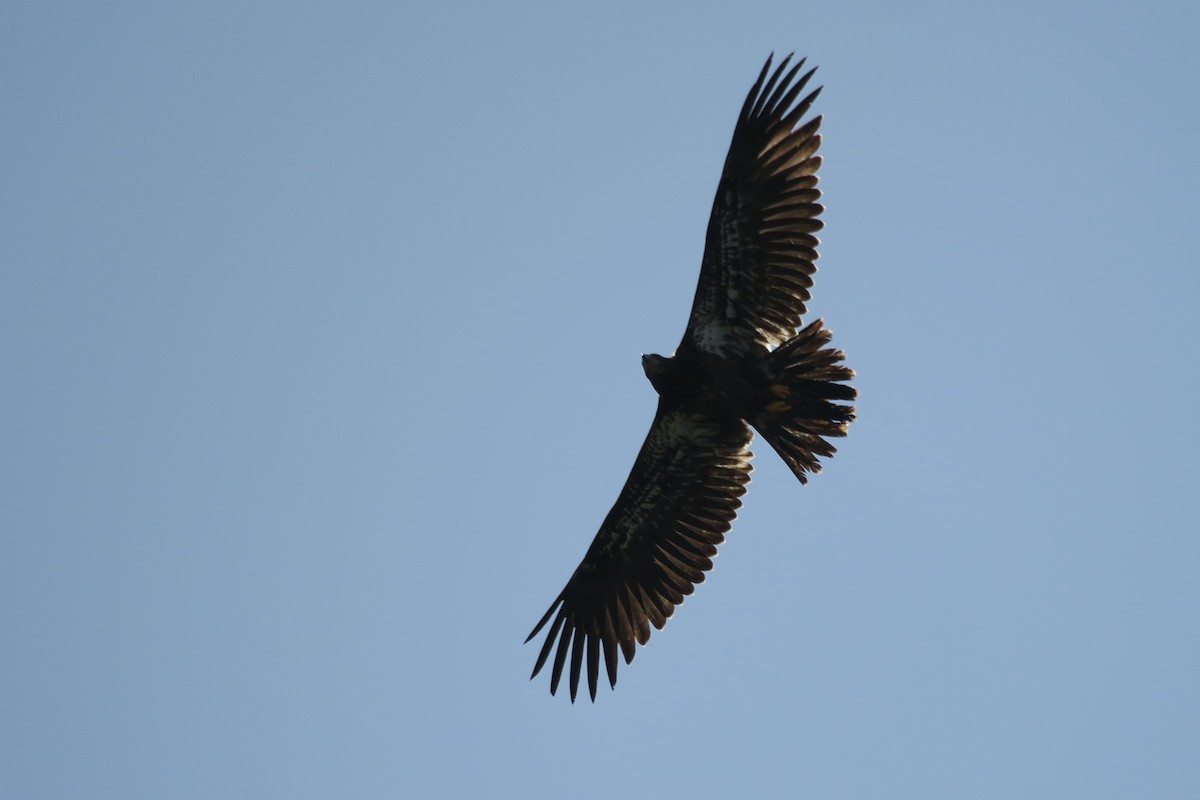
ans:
(652, 549)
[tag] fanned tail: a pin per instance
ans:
(801, 409)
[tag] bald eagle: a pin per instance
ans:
(742, 365)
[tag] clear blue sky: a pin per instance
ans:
(320, 330)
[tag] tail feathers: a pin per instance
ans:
(800, 409)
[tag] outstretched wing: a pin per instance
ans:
(653, 547)
(758, 258)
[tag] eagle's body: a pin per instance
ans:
(705, 383)
(741, 366)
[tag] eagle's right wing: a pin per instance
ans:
(653, 547)
(759, 254)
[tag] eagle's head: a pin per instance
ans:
(657, 369)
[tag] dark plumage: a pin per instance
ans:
(741, 364)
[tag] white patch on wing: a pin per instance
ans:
(716, 338)
(731, 309)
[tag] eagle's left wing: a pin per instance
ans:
(653, 547)
(759, 254)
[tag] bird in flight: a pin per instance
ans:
(742, 365)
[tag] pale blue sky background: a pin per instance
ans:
(319, 335)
